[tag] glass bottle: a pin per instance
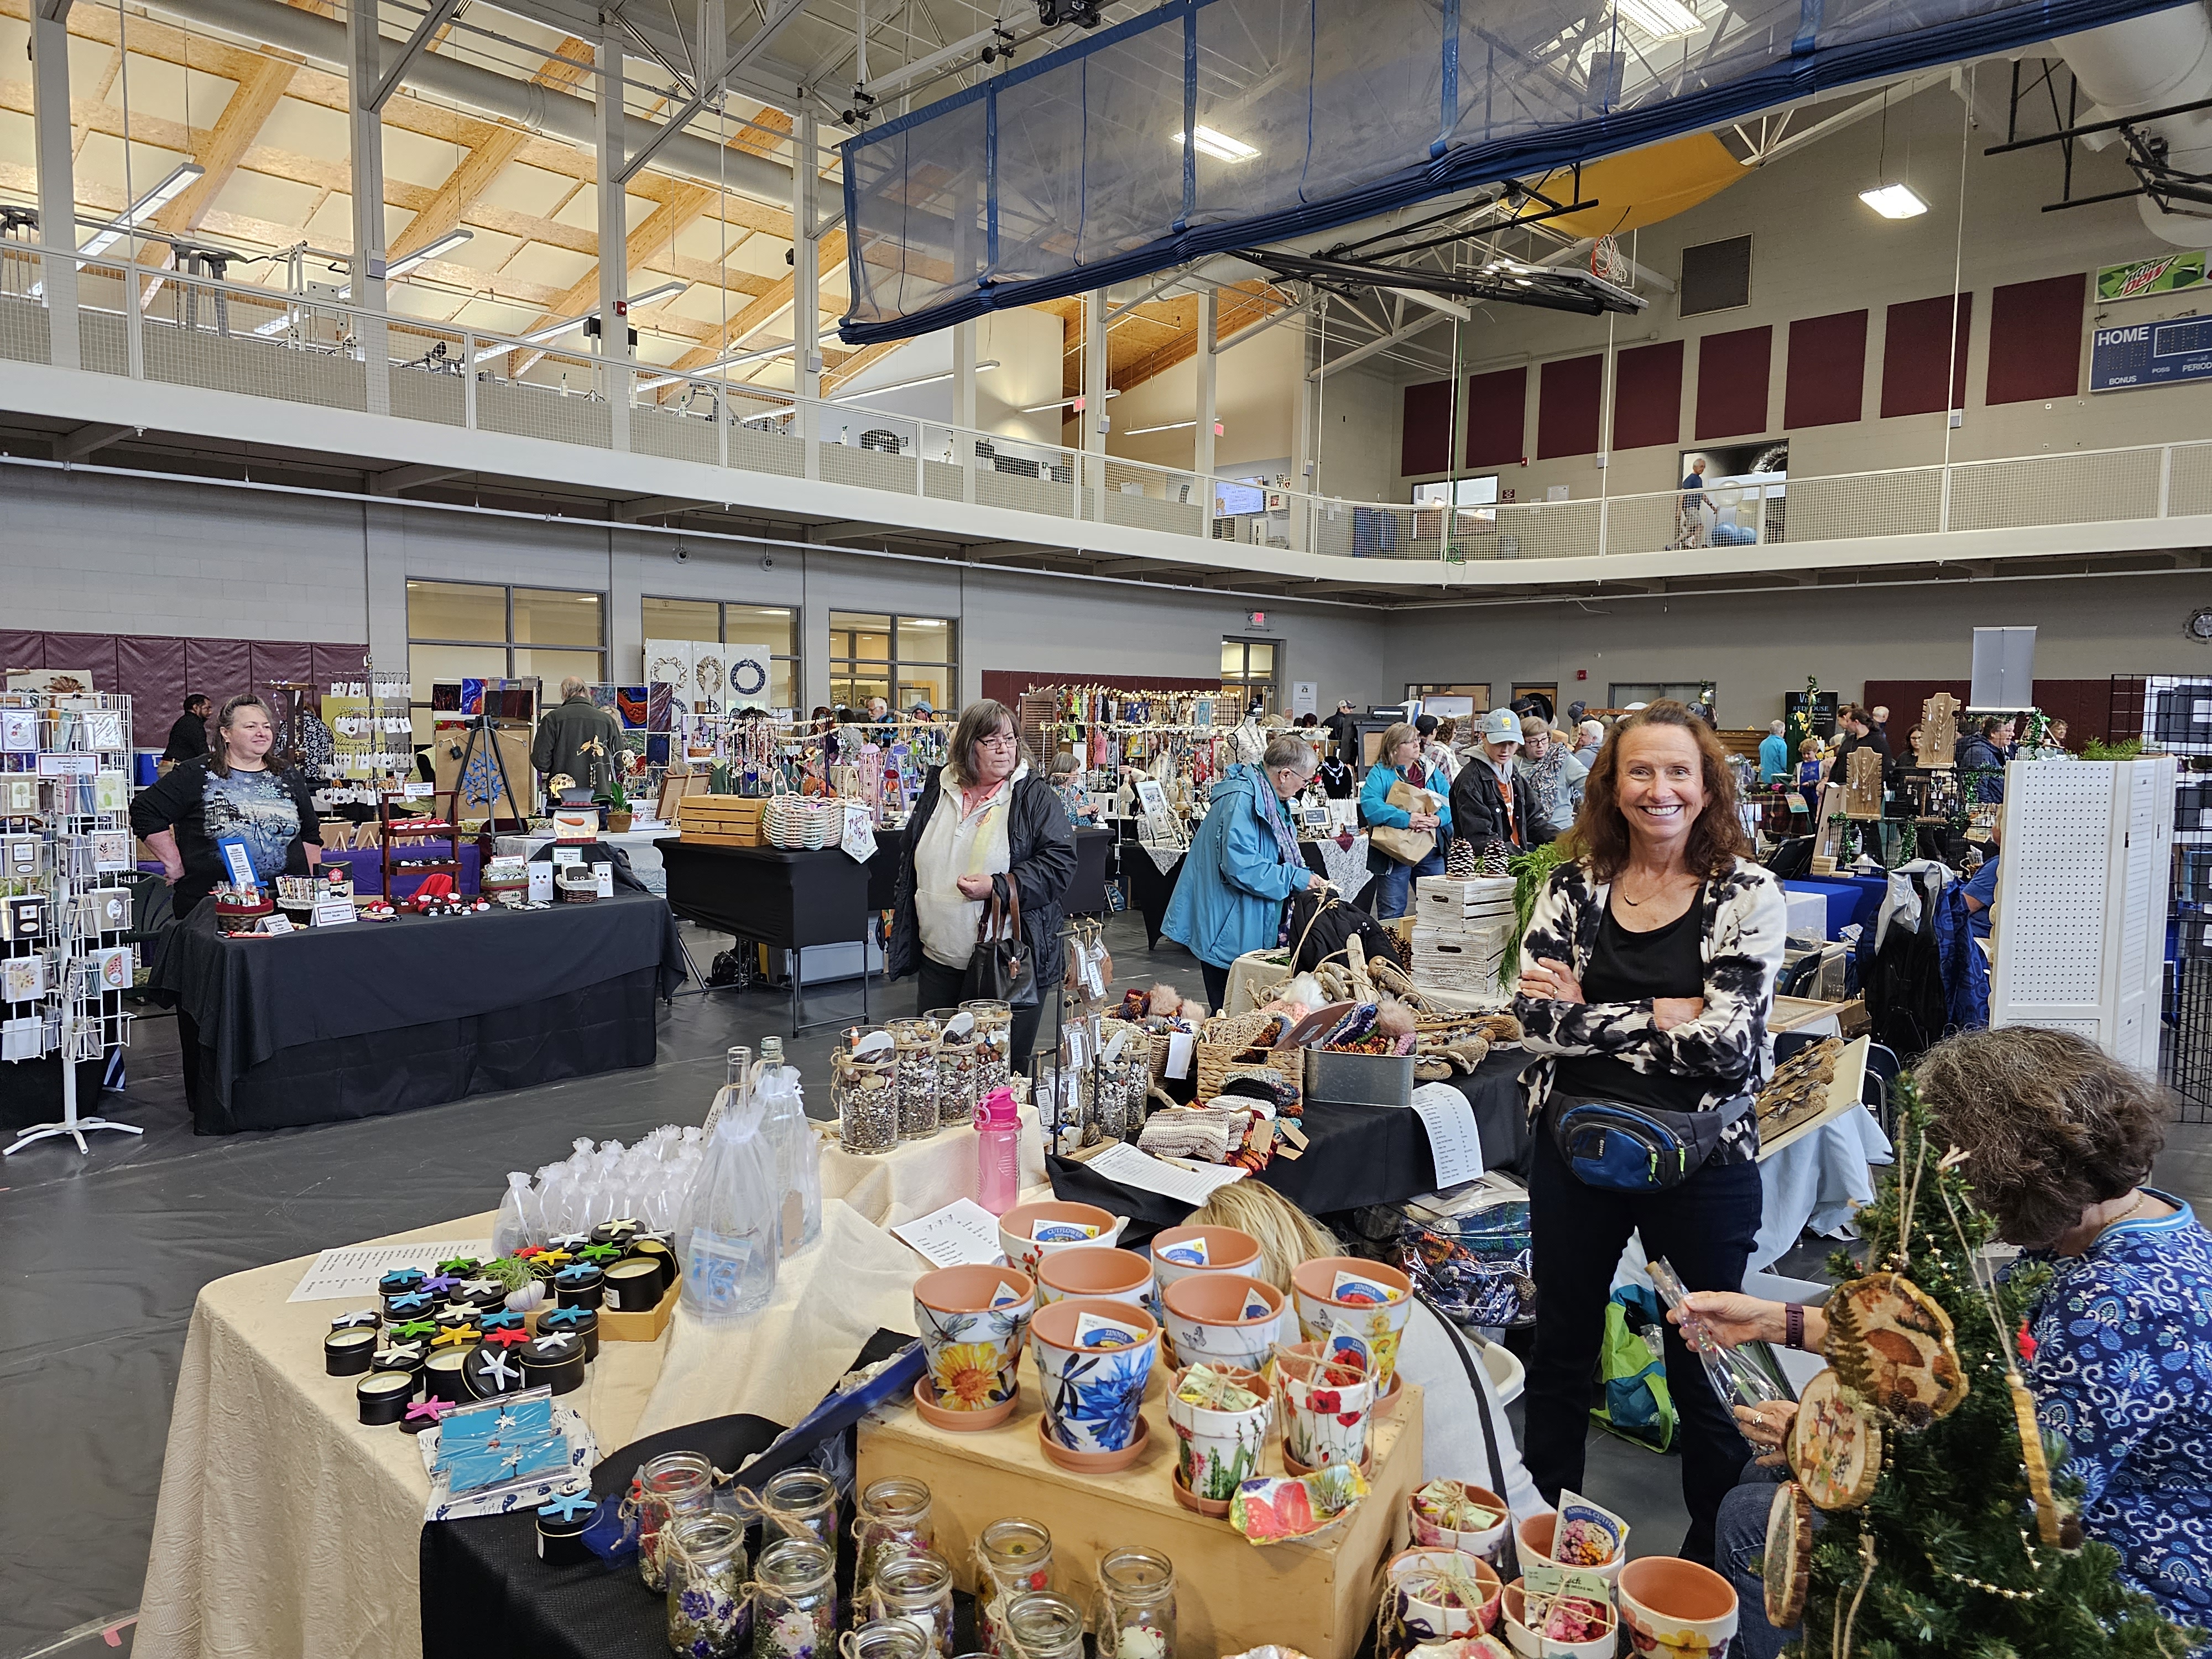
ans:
(667, 1488)
(1013, 1556)
(795, 1599)
(1042, 1625)
(709, 1614)
(1733, 1374)
(1136, 1605)
(891, 1518)
(737, 1081)
(802, 1503)
(729, 1265)
(994, 1044)
(797, 1154)
(863, 1092)
(956, 1051)
(914, 1042)
(886, 1638)
(917, 1585)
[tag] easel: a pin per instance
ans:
(480, 725)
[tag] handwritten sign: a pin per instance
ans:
(963, 1231)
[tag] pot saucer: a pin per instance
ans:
(1099, 1462)
(1215, 1509)
(959, 1422)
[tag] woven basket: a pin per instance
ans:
(781, 825)
(1216, 1062)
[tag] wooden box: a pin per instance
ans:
(1467, 960)
(615, 1326)
(1451, 904)
(1229, 1594)
(722, 820)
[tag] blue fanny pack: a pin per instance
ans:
(1638, 1149)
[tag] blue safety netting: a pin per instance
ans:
(1080, 169)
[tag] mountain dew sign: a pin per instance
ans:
(2145, 277)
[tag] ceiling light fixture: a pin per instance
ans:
(1170, 426)
(1220, 145)
(145, 207)
(904, 385)
(654, 296)
(1663, 20)
(1064, 403)
(1895, 201)
(446, 244)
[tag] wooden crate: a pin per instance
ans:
(1451, 905)
(1229, 1594)
(1464, 961)
(722, 820)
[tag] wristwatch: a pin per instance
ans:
(1793, 1325)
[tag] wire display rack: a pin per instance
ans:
(2171, 714)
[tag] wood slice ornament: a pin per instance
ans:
(1893, 1344)
(1799, 1088)
(1788, 1568)
(1834, 1445)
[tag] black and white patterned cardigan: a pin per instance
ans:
(1745, 923)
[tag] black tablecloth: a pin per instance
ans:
(1086, 893)
(787, 900)
(383, 1016)
(486, 1594)
(1150, 889)
(1355, 1156)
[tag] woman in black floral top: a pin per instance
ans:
(1647, 976)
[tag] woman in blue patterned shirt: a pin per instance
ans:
(2060, 1139)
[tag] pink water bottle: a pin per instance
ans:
(998, 1151)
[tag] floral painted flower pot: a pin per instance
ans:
(1327, 1406)
(1676, 1609)
(1022, 1250)
(1434, 1595)
(1216, 1449)
(1449, 1515)
(1093, 1390)
(1223, 1319)
(973, 1321)
(1363, 1325)
(1175, 1251)
(1587, 1630)
(1535, 1536)
(1111, 1275)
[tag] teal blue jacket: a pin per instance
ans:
(1228, 898)
(1376, 812)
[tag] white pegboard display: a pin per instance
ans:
(2063, 813)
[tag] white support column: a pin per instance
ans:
(1302, 435)
(1209, 325)
(50, 83)
(365, 129)
(963, 405)
(806, 288)
(614, 238)
(1093, 473)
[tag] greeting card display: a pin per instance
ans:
(110, 849)
(19, 730)
(112, 967)
(111, 792)
(103, 730)
(22, 978)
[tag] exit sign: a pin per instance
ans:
(1255, 618)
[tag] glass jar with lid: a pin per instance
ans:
(1042, 1625)
(891, 1518)
(794, 1598)
(801, 1504)
(886, 1638)
(667, 1488)
(709, 1613)
(1136, 1605)
(994, 1043)
(914, 1043)
(1013, 1556)
(957, 1051)
(917, 1585)
(864, 1091)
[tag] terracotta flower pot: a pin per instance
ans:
(1433, 1531)
(1209, 1317)
(1417, 1607)
(1227, 1251)
(1677, 1607)
(1532, 1645)
(1092, 1392)
(1354, 1327)
(1216, 1449)
(1113, 1275)
(1027, 1253)
(972, 1335)
(1535, 1536)
(1328, 1406)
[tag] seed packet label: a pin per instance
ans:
(1356, 1288)
(1191, 1252)
(1061, 1232)
(1096, 1330)
(1548, 1584)
(1004, 1296)
(1256, 1306)
(1588, 1534)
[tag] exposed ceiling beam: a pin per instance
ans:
(76, 446)
(780, 12)
(440, 13)
(758, 315)
(392, 480)
(1360, 354)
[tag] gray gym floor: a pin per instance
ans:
(109, 1250)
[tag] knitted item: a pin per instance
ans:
(1204, 1134)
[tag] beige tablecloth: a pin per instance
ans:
(285, 1527)
(919, 1176)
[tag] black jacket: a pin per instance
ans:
(188, 738)
(1345, 730)
(1478, 808)
(1041, 862)
(201, 808)
(1876, 740)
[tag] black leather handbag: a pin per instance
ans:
(1002, 970)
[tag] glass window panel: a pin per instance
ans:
(675, 619)
(456, 610)
(851, 685)
(426, 663)
(544, 616)
(934, 685)
(551, 668)
(783, 683)
(1260, 661)
(1232, 657)
(925, 639)
(753, 624)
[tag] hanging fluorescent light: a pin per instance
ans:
(1663, 20)
(1171, 425)
(145, 207)
(446, 244)
(654, 296)
(1064, 403)
(904, 385)
(1220, 145)
(1894, 200)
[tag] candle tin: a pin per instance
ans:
(384, 1396)
(634, 1285)
(411, 1304)
(347, 1353)
(456, 1336)
(399, 1280)
(441, 1376)
(424, 1414)
(580, 1284)
(554, 1361)
(404, 1357)
(560, 1523)
(600, 1255)
(490, 1371)
(498, 1319)
(620, 1231)
(653, 1248)
(577, 1321)
(364, 1318)
(460, 1266)
(451, 1318)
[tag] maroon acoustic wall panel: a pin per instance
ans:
(1497, 418)
(220, 668)
(1424, 441)
(1825, 380)
(2035, 340)
(1732, 371)
(282, 662)
(150, 669)
(1567, 396)
(336, 663)
(1646, 396)
(21, 647)
(93, 651)
(1914, 337)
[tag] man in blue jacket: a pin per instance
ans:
(1243, 862)
(1774, 755)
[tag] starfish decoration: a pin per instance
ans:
(559, 1342)
(499, 1371)
(348, 1322)
(581, 1272)
(553, 1258)
(459, 1265)
(570, 1242)
(567, 1505)
(503, 1320)
(413, 1331)
(402, 1350)
(459, 1337)
(433, 1409)
(528, 1251)
(400, 1279)
(601, 1253)
(410, 1301)
(478, 1286)
(565, 1316)
(506, 1337)
(440, 1283)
